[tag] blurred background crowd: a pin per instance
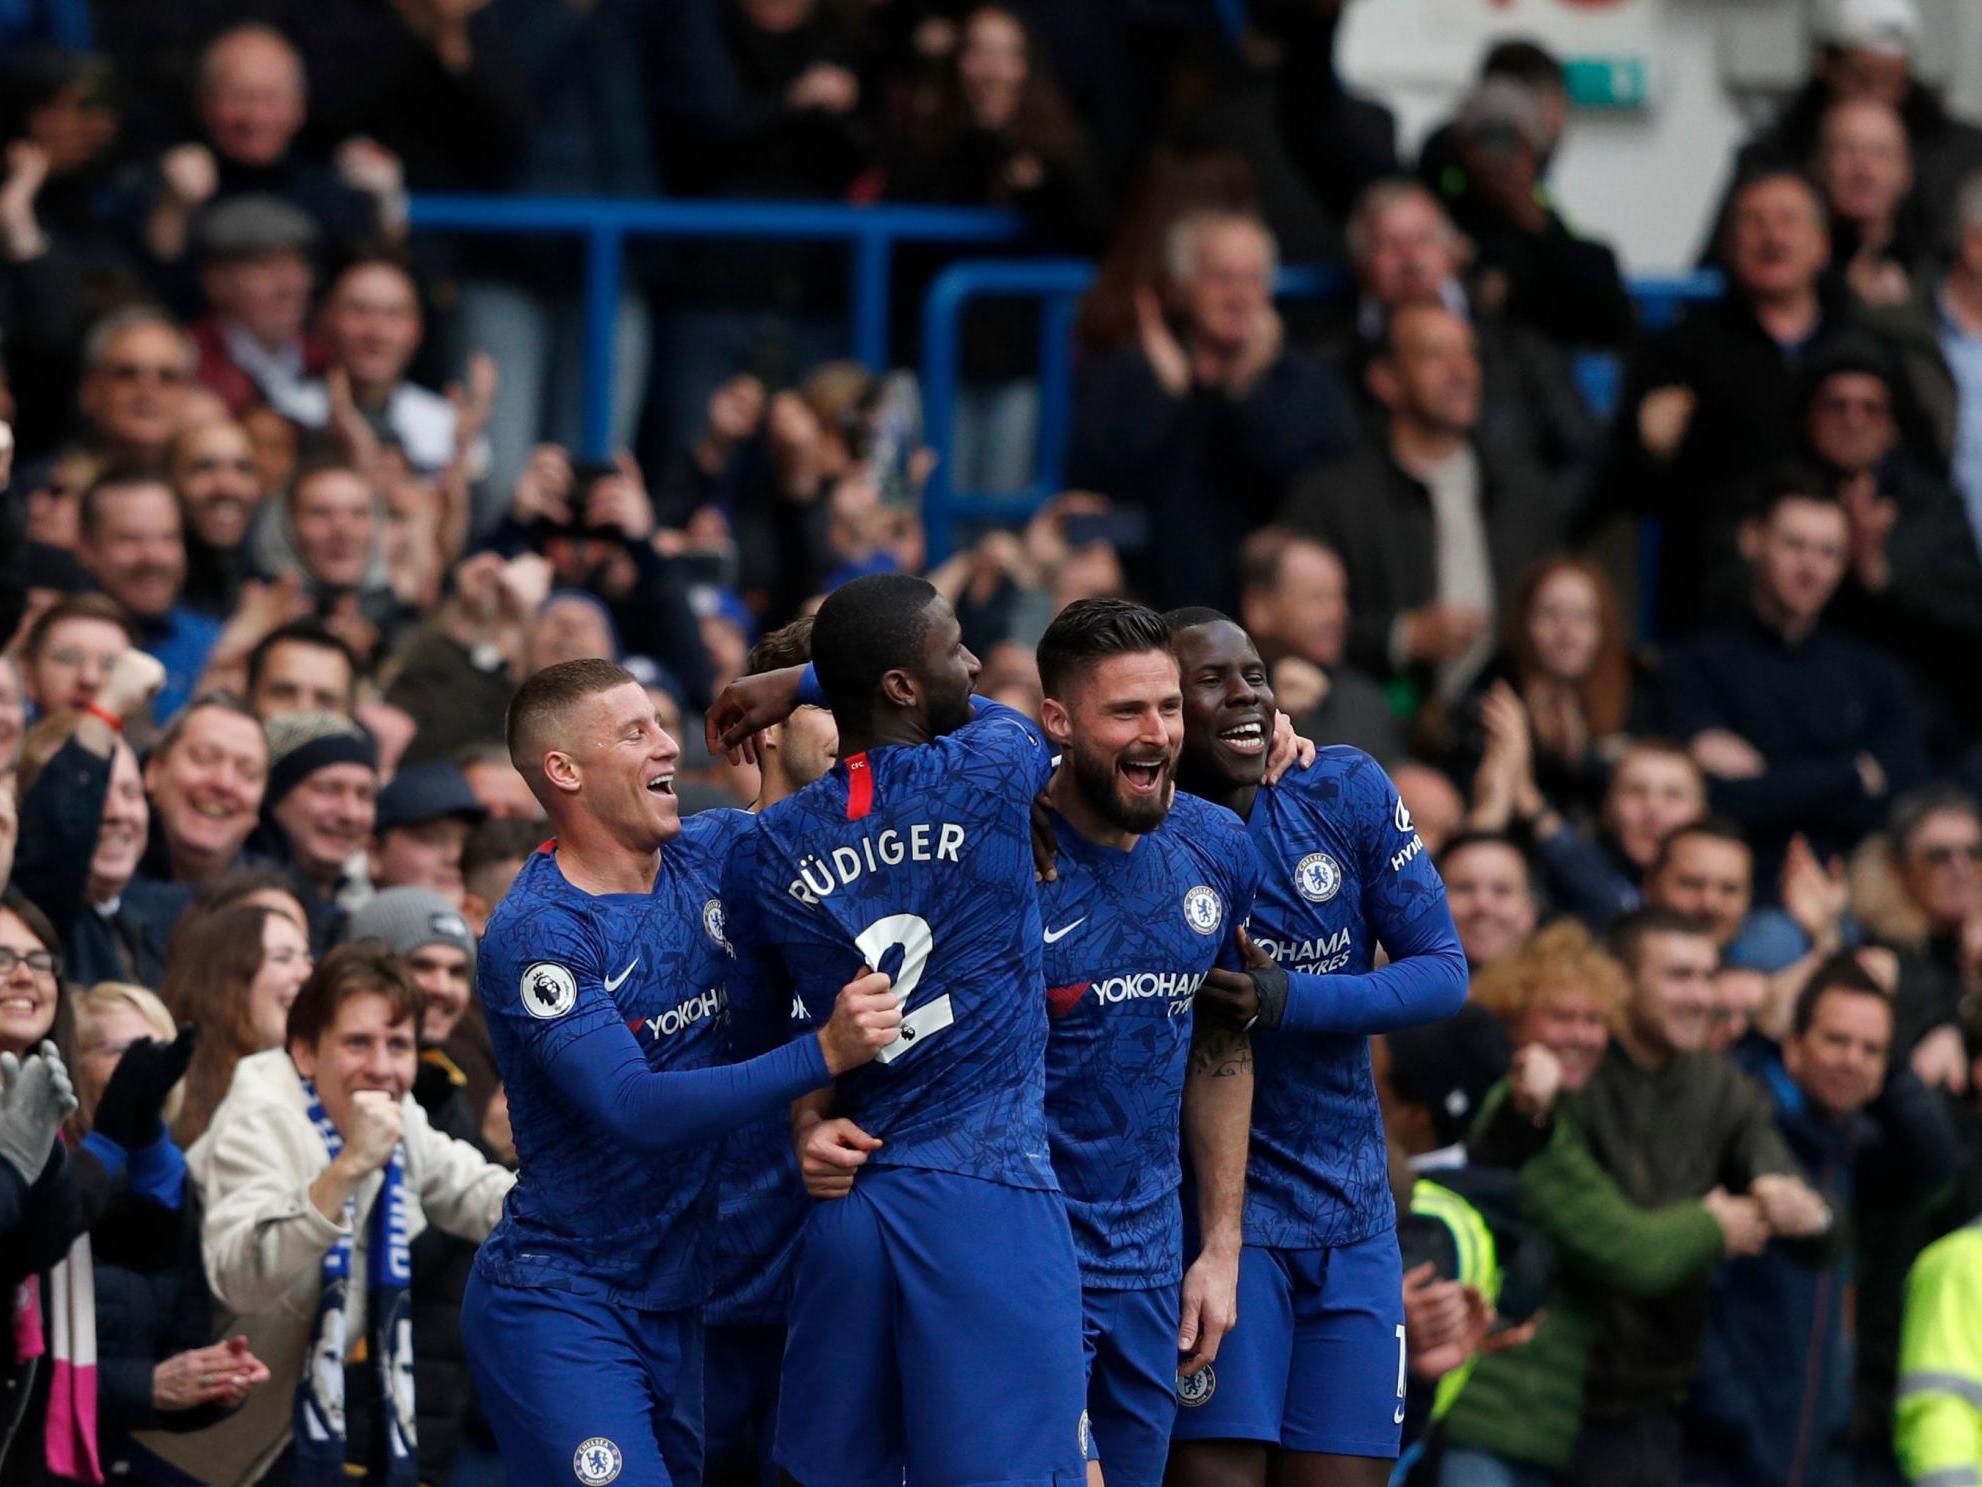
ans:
(1665, 626)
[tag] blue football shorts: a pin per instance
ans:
(935, 1330)
(582, 1389)
(1130, 1341)
(1316, 1362)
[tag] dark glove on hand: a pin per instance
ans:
(130, 1112)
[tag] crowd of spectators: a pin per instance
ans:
(1672, 681)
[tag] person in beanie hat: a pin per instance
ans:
(424, 817)
(427, 932)
(319, 809)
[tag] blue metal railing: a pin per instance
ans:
(1059, 283)
(871, 233)
(603, 226)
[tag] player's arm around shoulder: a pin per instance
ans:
(460, 1190)
(1005, 734)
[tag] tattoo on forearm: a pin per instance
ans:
(1220, 1053)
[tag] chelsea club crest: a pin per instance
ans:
(596, 1462)
(712, 923)
(1193, 1389)
(1318, 877)
(1202, 910)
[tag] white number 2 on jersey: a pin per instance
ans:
(911, 933)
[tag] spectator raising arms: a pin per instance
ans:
(317, 1172)
(1210, 414)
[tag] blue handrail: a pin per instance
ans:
(605, 225)
(1058, 283)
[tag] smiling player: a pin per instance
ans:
(1150, 888)
(935, 1318)
(1317, 1367)
(602, 976)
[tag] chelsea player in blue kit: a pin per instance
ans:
(1149, 889)
(602, 975)
(760, 1203)
(1316, 1367)
(935, 1316)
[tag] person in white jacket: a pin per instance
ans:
(308, 1145)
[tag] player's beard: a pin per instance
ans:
(947, 714)
(1100, 786)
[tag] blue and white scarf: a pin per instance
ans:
(320, 1448)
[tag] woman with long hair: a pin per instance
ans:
(1565, 670)
(64, 1190)
(234, 975)
(993, 129)
(157, 1366)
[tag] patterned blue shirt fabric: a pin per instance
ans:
(590, 1213)
(1129, 937)
(1344, 871)
(760, 1198)
(929, 878)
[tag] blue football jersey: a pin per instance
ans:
(556, 963)
(1128, 939)
(1344, 871)
(761, 1200)
(917, 861)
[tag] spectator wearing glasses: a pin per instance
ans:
(1914, 586)
(137, 370)
(1917, 888)
(50, 1195)
(70, 649)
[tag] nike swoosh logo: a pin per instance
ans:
(1398, 1418)
(1054, 936)
(613, 983)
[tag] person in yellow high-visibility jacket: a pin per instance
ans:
(1937, 1429)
